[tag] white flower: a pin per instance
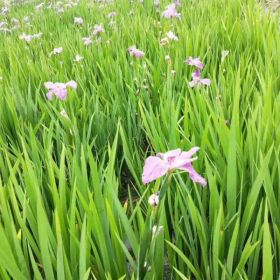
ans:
(167, 58)
(156, 230)
(156, 3)
(26, 38)
(111, 15)
(164, 41)
(15, 21)
(154, 199)
(225, 53)
(26, 19)
(64, 114)
(78, 20)
(78, 58)
(57, 51)
(171, 36)
(37, 35)
(87, 41)
(39, 7)
(3, 24)
(98, 28)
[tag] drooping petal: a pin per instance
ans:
(169, 154)
(171, 12)
(196, 75)
(61, 93)
(195, 177)
(49, 85)
(154, 168)
(49, 95)
(191, 84)
(206, 82)
(190, 152)
(133, 51)
(138, 53)
(72, 84)
(184, 158)
(195, 62)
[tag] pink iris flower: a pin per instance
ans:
(195, 62)
(135, 52)
(59, 89)
(164, 163)
(87, 41)
(29, 38)
(25, 37)
(97, 29)
(197, 80)
(171, 12)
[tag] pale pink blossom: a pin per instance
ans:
(29, 38)
(195, 62)
(197, 81)
(25, 37)
(59, 89)
(164, 163)
(87, 41)
(97, 29)
(72, 84)
(171, 11)
(134, 52)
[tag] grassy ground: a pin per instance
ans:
(72, 203)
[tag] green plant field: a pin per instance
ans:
(72, 201)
